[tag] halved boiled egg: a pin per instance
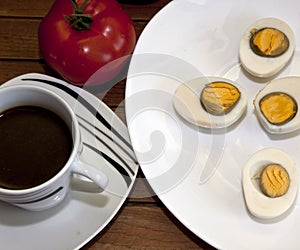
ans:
(276, 105)
(270, 183)
(266, 47)
(210, 102)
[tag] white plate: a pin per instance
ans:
(186, 39)
(81, 215)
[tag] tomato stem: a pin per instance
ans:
(79, 20)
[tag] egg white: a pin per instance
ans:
(289, 85)
(186, 102)
(260, 66)
(258, 204)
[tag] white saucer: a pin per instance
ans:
(82, 215)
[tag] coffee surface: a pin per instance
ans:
(35, 144)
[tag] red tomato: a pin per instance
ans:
(77, 54)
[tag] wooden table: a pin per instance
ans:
(142, 223)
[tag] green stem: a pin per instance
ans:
(83, 6)
(79, 20)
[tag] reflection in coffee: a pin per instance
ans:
(35, 144)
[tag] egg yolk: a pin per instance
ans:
(278, 108)
(274, 181)
(269, 42)
(218, 98)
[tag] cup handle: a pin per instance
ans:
(97, 176)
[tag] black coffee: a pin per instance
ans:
(35, 144)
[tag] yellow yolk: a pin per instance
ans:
(269, 42)
(218, 98)
(274, 181)
(278, 108)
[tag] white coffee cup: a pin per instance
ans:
(53, 191)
